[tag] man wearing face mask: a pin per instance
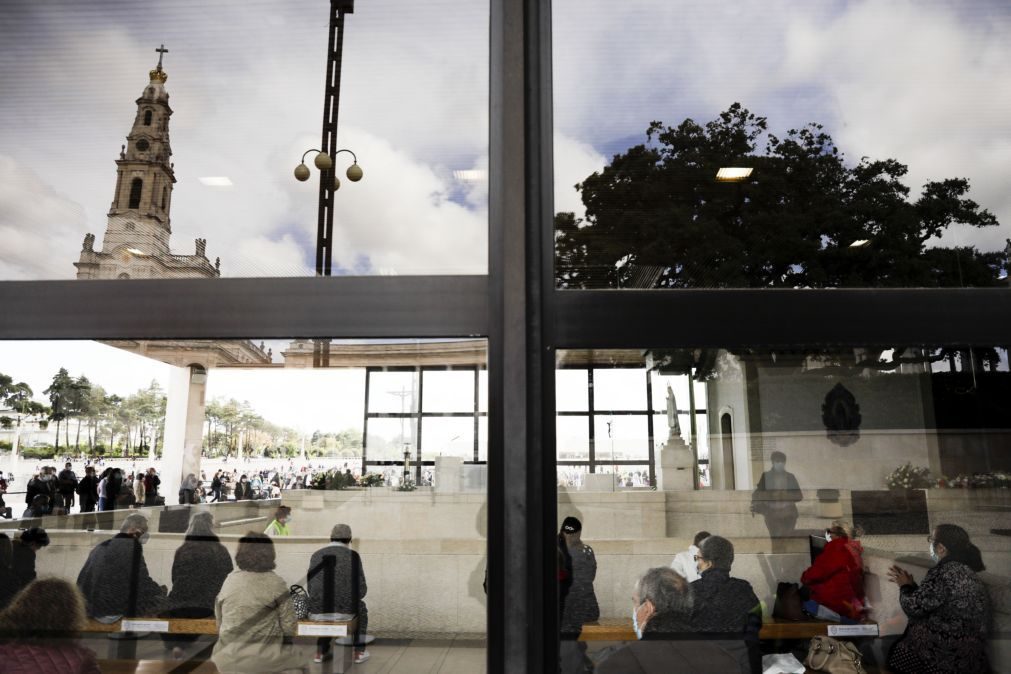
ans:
(114, 561)
(775, 498)
(661, 616)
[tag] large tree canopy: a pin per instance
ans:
(658, 207)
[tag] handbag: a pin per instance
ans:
(826, 654)
(300, 601)
(788, 604)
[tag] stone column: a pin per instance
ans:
(184, 424)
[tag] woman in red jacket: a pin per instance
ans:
(836, 579)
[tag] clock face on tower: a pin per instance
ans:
(142, 145)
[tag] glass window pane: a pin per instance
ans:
(885, 446)
(620, 438)
(447, 436)
(393, 392)
(239, 203)
(571, 390)
(754, 146)
(619, 389)
(448, 391)
(573, 438)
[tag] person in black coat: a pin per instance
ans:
(87, 490)
(662, 610)
(115, 580)
(336, 586)
(8, 586)
(67, 485)
(23, 552)
(725, 605)
(199, 569)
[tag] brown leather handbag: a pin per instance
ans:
(826, 654)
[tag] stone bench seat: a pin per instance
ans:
(620, 629)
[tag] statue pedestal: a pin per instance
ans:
(677, 467)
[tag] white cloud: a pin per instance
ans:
(574, 161)
(40, 229)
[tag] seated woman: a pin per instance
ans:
(949, 613)
(199, 569)
(254, 614)
(39, 629)
(836, 579)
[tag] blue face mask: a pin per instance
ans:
(635, 623)
(933, 554)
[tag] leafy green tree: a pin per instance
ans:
(657, 216)
(59, 393)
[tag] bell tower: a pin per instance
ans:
(139, 214)
(136, 242)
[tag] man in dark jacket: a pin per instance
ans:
(661, 613)
(67, 485)
(151, 483)
(87, 489)
(336, 587)
(115, 580)
(725, 605)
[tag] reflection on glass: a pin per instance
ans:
(102, 438)
(804, 164)
(448, 391)
(178, 188)
(804, 465)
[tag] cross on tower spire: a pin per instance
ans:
(161, 53)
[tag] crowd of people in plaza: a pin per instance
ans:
(695, 616)
(255, 612)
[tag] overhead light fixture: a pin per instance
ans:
(135, 251)
(860, 242)
(216, 181)
(470, 175)
(733, 174)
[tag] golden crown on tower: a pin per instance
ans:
(158, 75)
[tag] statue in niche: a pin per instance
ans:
(89, 243)
(841, 415)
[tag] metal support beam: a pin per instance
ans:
(522, 585)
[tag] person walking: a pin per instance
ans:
(67, 485)
(87, 490)
(216, 487)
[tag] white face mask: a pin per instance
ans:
(828, 537)
(635, 622)
(933, 553)
(779, 467)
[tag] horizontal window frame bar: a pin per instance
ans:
(247, 308)
(602, 319)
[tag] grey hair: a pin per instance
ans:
(718, 551)
(669, 592)
(202, 524)
(134, 521)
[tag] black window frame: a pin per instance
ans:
(525, 319)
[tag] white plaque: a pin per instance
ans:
(144, 626)
(870, 630)
(322, 630)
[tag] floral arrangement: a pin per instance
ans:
(407, 485)
(909, 477)
(917, 477)
(975, 481)
(372, 480)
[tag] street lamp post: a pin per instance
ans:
(328, 182)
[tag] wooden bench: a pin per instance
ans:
(154, 667)
(121, 651)
(620, 629)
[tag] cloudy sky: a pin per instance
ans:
(927, 82)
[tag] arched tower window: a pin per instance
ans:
(135, 187)
(147, 118)
(164, 197)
